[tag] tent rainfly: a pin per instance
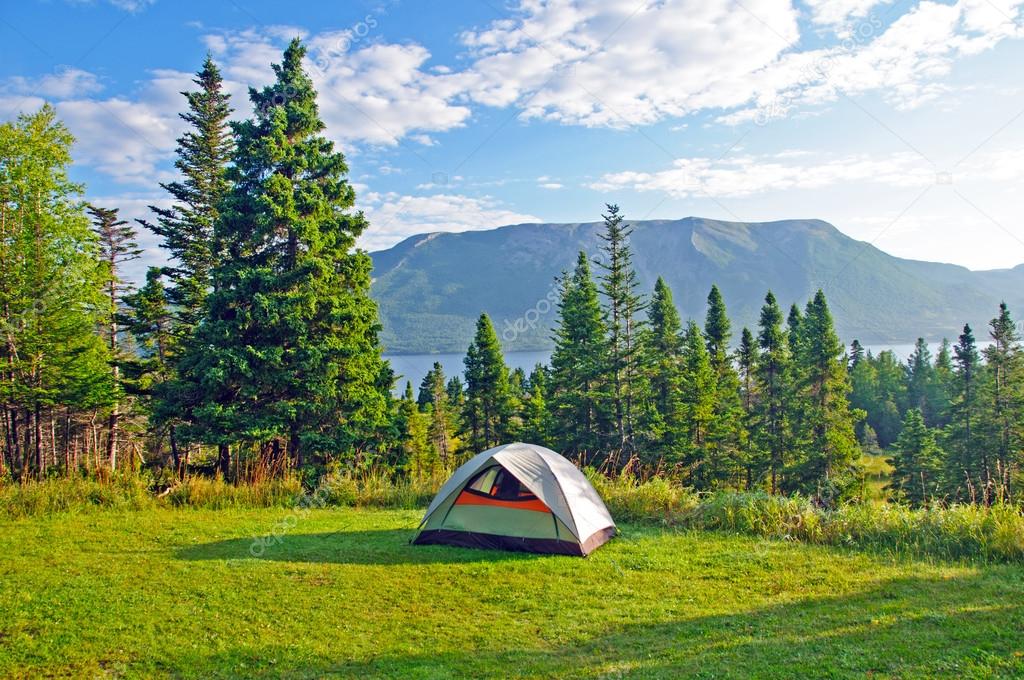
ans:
(518, 497)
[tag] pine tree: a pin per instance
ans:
(916, 461)
(663, 346)
(117, 246)
(942, 385)
(968, 472)
(920, 376)
(824, 386)
(793, 330)
(489, 405)
(623, 305)
(726, 435)
(288, 352)
(187, 227)
(426, 395)
(773, 387)
(577, 384)
(699, 458)
(856, 354)
(1003, 398)
(440, 430)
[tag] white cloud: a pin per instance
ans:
(748, 175)
(550, 185)
(836, 13)
(63, 83)
(395, 217)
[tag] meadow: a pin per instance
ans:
(339, 592)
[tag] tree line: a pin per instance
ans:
(255, 350)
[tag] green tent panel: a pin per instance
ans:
(518, 497)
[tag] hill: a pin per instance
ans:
(431, 287)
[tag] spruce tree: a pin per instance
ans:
(773, 387)
(288, 353)
(830, 446)
(968, 475)
(746, 358)
(489, 406)
(920, 376)
(663, 348)
(623, 305)
(856, 354)
(698, 396)
(1003, 398)
(942, 384)
(117, 247)
(536, 422)
(440, 430)
(726, 435)
(916, 461)
(187, 227)
(576, 391)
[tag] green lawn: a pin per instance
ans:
(178, 593)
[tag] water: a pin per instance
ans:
(413, 367)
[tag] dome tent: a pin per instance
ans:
(518, 497)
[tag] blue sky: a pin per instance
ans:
(899, 122)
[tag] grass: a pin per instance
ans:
(165, 592)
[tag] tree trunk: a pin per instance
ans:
(175, 456)
(224, 460)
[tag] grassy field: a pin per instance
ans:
(341, 593)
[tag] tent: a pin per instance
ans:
(518, 497)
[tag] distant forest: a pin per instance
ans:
(256, 352)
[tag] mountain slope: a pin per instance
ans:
(431, 288)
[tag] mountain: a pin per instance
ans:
(431, 287)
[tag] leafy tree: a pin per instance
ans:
(117, 246)
(623, 305)
(917, 461)
(489, 406)
(773, 387)
(577, 385)
(288, 352)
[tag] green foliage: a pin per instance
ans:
(773, 371)
(701, 461)
(489, 407)
(917, 462)
(663, 347)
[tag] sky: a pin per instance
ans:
(900, 122)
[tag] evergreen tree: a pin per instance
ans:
(746, 357)
(773, 386)
(698, 396)
(968, 472)
(726, 435)
(187, 227)
(830, 446)
(117, 246)
(942, 385)
(288, 352)
(577, 390)
(489, 405)
(1003, 398)
(440, 430)
(536, 427)
(664, 349)
(856, 354)
(916, 461)
(920, 377)
(623, 305)
(793, 330)
(426, 396)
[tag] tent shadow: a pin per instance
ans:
(381, 547)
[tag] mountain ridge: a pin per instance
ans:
(431, 287)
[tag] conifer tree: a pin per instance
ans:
(489, 406)
(746, 357)
(773, 387)
(793, 331)
(856, 354)
(536, 427)
(920, 376)
(726, 435)
(440, 430)
(288, 353)
(117, 247)
(577, 382)
(700, 459)
(187, 227)
(1003, 398)
(824, 387)
(623, 305)
(663, 346)
(968, 474)
(942, 385)
(916, 461)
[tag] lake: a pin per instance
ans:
(413, 367)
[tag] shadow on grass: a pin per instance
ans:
(385, 546)
(965, 627)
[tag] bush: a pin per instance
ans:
(122, 492)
